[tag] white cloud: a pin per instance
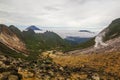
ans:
(83, 14)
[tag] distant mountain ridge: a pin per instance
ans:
(111, 32)
(11, 37)
(76, 40)
(33, 28)
(85, 31)
(14, 39)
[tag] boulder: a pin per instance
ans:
(13, 77)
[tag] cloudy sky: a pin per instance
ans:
(65, 14)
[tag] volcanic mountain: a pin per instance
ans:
(33, 28)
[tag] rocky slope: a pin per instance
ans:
(29, 41)
(10, 39)
(41, 69)
(114, 30)
(113, 46)
(110, 32)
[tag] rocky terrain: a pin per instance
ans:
(113, 46)
(61, 67)
(10, 39)
(41, 69)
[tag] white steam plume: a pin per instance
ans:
(99, 39)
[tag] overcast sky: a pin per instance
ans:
(75, 14)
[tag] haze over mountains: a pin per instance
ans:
(64, 33)
(73, 36)
(28, 36)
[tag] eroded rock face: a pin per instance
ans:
(8, 38)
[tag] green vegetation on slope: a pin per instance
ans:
(16, 31)
(114, 29)
(37, 42)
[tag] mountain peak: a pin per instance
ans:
(85, 31)
(32, 27)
